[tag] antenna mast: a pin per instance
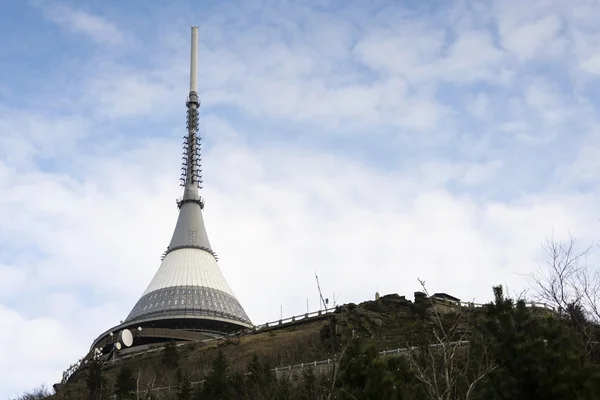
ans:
(191, 169)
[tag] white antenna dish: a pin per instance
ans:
(118, 346)
(126, 337)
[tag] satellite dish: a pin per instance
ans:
(110, 333)
(118, 346)
(126, 337)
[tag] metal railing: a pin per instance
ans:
(329, 361)
(257, 328)
(529, 304)
(391, 352)
(294, 319)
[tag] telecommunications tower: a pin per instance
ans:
(188, 298)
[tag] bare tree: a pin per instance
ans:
(447, 367)
(558, 283)
(570, 286)
(148, 387)
(40, 392)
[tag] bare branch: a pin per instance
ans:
(559, 283)
(438, 365)
(320, 292)
(570, 285)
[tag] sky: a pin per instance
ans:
(374, 143)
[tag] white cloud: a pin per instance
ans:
(143, 95)
(551, 106)
(401, 51)
(38, 349)
(11, 279)
(81, 22)
(480, 106)
(312, 162)
(592, 65)
(27, 133)
(35, 356)
(472, 57)
(533, 39)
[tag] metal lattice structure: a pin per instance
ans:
(191, 169)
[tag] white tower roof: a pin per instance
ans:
(189, 281)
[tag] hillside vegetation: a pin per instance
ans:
(513, 351)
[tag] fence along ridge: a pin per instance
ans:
(276, 323)
(326, 361)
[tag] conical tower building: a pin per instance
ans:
(189, 295)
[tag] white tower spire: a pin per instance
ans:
(189, 283)
(194, 61)
(191, 170)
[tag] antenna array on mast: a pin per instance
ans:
(191, 169)
(191, 166)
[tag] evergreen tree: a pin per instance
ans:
(96, 382)
(354, 369)
(364, 374)
(261, 379)
(281, 390)
(170, 355)
(401, 381)
(126, 384)
(309, 385)
(217, 385)
(538, 357)
(238, 383)
(184, 387)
